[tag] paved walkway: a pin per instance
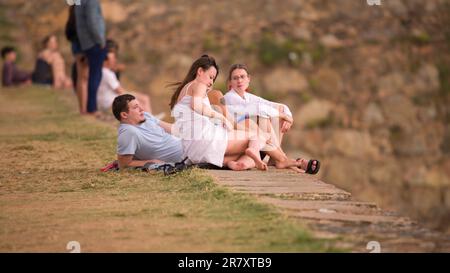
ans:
(331, 212)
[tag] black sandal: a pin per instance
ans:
(177, 167)
(309, 169)
(167, 168)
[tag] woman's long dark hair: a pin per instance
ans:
(204, 62)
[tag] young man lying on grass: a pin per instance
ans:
(141, 137)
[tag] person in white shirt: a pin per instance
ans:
(242, 105)
(110, 87)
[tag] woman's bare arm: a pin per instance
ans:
(198, 93)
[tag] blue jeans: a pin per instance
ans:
(95, 55)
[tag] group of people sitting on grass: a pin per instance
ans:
(49, 67)
(235, 131)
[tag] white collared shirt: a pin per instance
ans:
(252, 105)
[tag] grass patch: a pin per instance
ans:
(288, 51)
(210, 44)
(420, 38)
(321, 123)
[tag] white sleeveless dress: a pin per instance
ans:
(204, 139)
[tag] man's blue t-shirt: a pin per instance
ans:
(148, 141)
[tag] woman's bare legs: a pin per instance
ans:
(60, 79)
(232, 162)
(235, 161)
(239, 162)
(263, 125)
(244, 162)
(243, 154)
(281, 161)
(251, 145)
(266, 138)
(267, 125)
(260, 165)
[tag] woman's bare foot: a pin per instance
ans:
(236, 166)
(260, 165)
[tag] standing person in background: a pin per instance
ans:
(91, 35)
(80, 69)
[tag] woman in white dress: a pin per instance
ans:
(207, 136)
